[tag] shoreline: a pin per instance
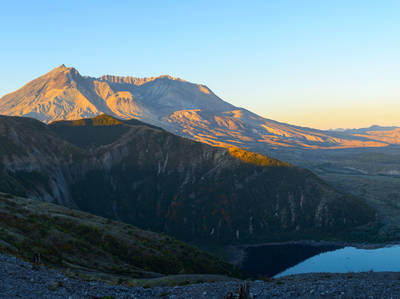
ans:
(238, 253)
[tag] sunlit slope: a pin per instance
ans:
(391, 136)
(187, 109)
(145, 176)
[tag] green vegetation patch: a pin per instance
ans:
(94, 246)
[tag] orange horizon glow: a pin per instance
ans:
(325, 118)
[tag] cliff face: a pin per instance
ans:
(142, 175)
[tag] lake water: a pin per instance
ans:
(350, 259)
(285, 259)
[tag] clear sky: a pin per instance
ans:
(323, 64)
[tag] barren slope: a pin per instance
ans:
(187, 109)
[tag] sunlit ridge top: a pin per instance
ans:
(117, 79)
(135, 80)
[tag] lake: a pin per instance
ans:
(284, 259)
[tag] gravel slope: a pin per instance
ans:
(18, 279)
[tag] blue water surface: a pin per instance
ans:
(350, 259)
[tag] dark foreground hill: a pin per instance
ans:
(145, 176)
(93, 246)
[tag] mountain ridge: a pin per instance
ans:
(150, 178)
(187, 109)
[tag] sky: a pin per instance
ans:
(320, 64)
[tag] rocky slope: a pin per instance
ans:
(19, 280)
(187, 109)
(143, 175)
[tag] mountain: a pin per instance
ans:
(90, 246)
(372, 128)
(142, 175)
(183, 108)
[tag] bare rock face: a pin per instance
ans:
(143, 175)
(183, 108)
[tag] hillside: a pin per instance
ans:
(93, 246)
(183, 108)
(145, 176)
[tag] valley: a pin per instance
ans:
(169, 156)
(205, 150)
(368, 173)
(353, 161)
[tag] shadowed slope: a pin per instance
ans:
(93, 245)
(155, 180)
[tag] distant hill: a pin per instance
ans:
(94, 246)
(183, 108)
(373, 128)
(145, 176)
